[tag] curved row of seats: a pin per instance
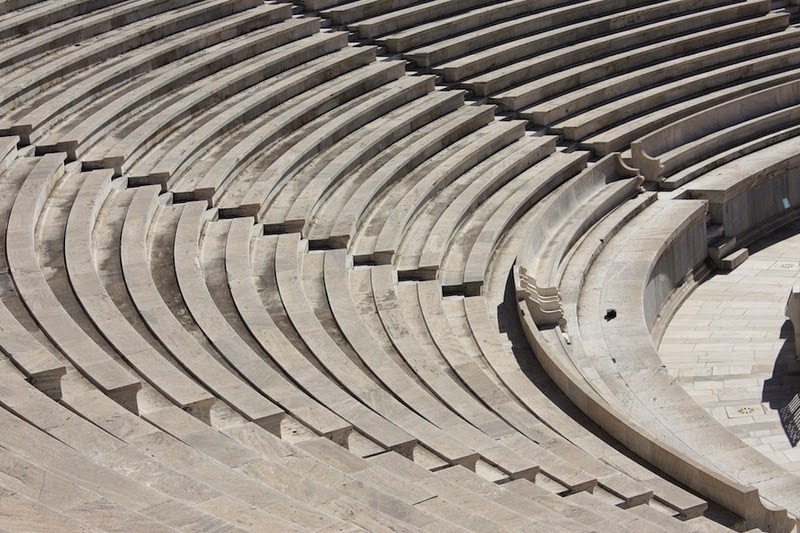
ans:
(752, 195)
(155, 248)
(675, 88)
(630, 264)
(598, 73)
(75, 47)
(739, 155)
(673, 154)
(260, 277)
(182, 324)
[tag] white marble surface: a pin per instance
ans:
(732, 348)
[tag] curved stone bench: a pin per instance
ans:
(494, 347)
(699, 73)
(254, 136)
(316, 5)
(561, 219)
(139, 234)
(554, 512)
(88, 26)
(97, 364)
(751, 191)
(736, 135)
(499, 31)
(191, 269)
(232, 496)
(526, 439)
(326, 209)
(505, 503)
(225, 68)
(381, 241)
(681, 56)
(465, 358)
(461, 356)
(429, 234)
(398, 19)
(675, 235)
(104, 314)
(54, 103)
(513, 63)
(500, 400)
(539, 511)
(52, 472)
(348, 308)
(715, 161)
(45, 14)
(704, 84)
(619, 137)
(439, 135)
(344, 12)
(372, 477)
(286, 478)
(307, 502)
(100, 469)
(594, 203)
(226, 459)
(370, 142)
(371, 166)
(342, 496)
(460, 494)
(8, 151)
(35, 360)
(7, 6)
(296, 75)
(465, 263)
(250, 500)
(432, 31)
(259, 321)
(355, 156)
(19, 510)
(327, 131)
(724, 124)
(504, 448)
(116, 454)
(152, 27)
(330, 355)
(242, 82)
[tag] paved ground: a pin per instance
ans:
(731, 348)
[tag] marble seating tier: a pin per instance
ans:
(378, 265)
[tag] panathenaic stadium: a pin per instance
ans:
(399, 265)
